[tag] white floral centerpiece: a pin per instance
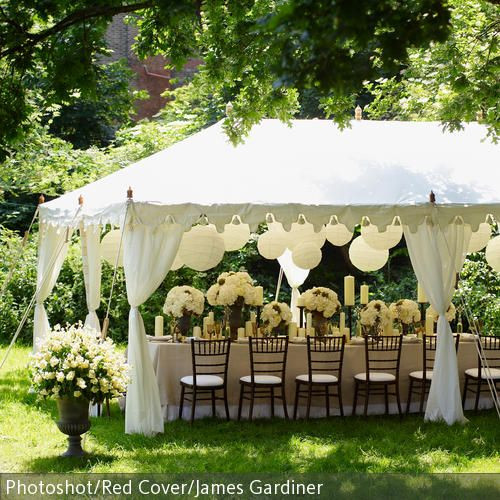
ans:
(275, 316)
(323, 303)
(181, 303)
(374, 317)
(406, 312)
(450, 313)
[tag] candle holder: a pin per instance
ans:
(301, 316)
(349, 318)
(257, 315)
(421, 305)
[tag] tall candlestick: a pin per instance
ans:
(259, 296)
(363, 294)
(349, 290)
(159, 326)
(421, 298)
(342, 322)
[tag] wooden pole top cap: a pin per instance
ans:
(432, 197)
(130, 193)
(80, 200)
(41, 199)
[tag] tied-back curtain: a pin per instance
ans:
(148, 254)
(91, 260)
(295, 277)
(437, 254)
(52, 249)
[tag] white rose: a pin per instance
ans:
(60, 376)
(81, 383)
(70, 375)
(77, 394)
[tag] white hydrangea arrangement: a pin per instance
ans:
(275, 315)
(232, 287)
(75, 363)
(375, 314)
(321, 299)
(450, 313)
(184, 300)
(406, 311)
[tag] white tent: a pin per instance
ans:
(375, 169)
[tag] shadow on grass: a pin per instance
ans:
(65, 464)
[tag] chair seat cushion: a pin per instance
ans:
(203, 380)
(261, 379)
(376, 377)
(473, 372)
(420, 374)
(319, 378)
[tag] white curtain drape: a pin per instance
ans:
(437, 254)
(148, 256)
(295, 277)
(52, 250)
(90, 238)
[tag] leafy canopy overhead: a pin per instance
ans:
(261, 52)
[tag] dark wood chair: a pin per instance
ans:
(210, 359)
(267, 367)
(420, 380)
(476, 379)
(325, 357)
(382, 358)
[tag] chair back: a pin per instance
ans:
(429, 346)
(491, 350)
(383, 354)
(210, 357)
(325, 355)
(268, 356)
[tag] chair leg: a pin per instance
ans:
(226, 405)
(327, 400)
(309, 397)
(386, 398)
(213, 404)
(464, 395)
(283, 400)
(240, 405)
(252, 399)
(295, 406)
(398, 400)
(408, 402)
(341, 405)
(355, 402)
(272, 402)
(422, 397)
(367, 392)
(193, 405)
(478, 393)
(181, 406)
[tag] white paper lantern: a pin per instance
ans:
(201, 248)
(382, 240)
(365, 257)
(493, 253)
(304, 233)
(235, 236)
(479, 239)
(338, 234)
(177, 264)
(110, 245)
(306, 255)
(273, 243)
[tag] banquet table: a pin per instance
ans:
(172, 361)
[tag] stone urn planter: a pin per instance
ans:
(184, 324)
(320, 323)
(73, 421)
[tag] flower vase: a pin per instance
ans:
(235, 319)
(320, 324)
(184, 324)
(73, 421)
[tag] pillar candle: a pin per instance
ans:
(292, 329)
(248, 328)
(421, 298)
(205, 325)
(211, 318)
(197, 331)
(309, 320)
(159, 326)
(253, 317)
(259, 295)
(395, 332)
(342, 321)
(347, 334)
(363, 294)
(310, 331)
(241, 333)
(300, 301)
(429, 324)
(349, 290)
(301, 332)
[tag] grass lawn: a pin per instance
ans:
(31, 442)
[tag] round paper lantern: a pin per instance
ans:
(365, 257)
(304, 233)
(306, 255)
(235, 236)
(382, 240)
(201, 248)
(110, 245)
(272, 244)
(177, 264)
(479, 239)
(493, 253)
(338, 234)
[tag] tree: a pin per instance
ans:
(258, 51)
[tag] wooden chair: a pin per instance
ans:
(210, 359)
(420, 380)
(476, 379)
(324, 354)
(382, 358)
(267, 365)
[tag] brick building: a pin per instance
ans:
(151, 74)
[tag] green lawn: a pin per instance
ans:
(30, 441)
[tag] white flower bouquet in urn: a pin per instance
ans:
(406, 312)
(275, 317)
(323, 303)
(374, 317)
(181, 303)
(450, 313)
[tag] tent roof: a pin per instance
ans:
(375, 168)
